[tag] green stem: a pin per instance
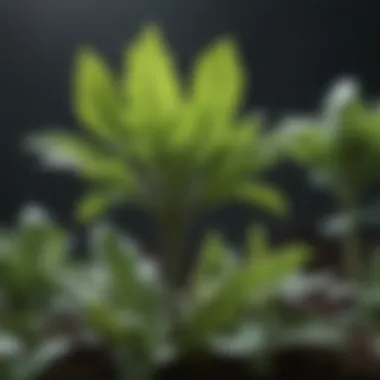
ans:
(172, 231)
(172, 228)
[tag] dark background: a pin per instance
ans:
(293, 48)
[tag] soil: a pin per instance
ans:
(84, 363)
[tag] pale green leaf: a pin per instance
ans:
(65, 151)
(341, 94)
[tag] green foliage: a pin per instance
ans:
(223, 288)
(30, 256)
(175, 147)
(153, 139)
(344, 142)
(342, 147)
(120, 293)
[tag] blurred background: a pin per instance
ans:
(293, 49)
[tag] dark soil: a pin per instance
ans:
(84, 363)
(205, 368)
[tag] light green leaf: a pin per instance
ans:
(96, 96)
(92, 206)
(151, 83)
(218, 81)
(262, 196)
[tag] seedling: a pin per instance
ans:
(30, 256)
(174, 147)
(341, 147)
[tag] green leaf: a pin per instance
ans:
(114, 324)
(262, 196)
(151, 83)
(303, 140)
(40, 249)
(229, 301)
(92, 206)
(257, 241)
(215, 263)
(211, 256)
(218, 82)
(133, 279)
(96, 96)
(65, 151)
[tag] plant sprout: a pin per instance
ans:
(223, 288)
(30, 257)
(175, 148)
(341, 147)
(172, 146)
(120, 296)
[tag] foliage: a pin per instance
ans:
(343, 143)
(223, 288)
(341, 147)
(31, 256)
(176, 148)
(153, 139)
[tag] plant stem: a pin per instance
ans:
(172, 228)
(172, 231)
